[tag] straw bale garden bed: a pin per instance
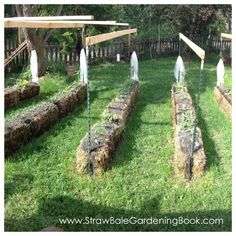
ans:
(42, 183)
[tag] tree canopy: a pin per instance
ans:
(192, 20)
(165, 21)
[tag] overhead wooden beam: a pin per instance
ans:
(65, 18)
(46, 18)
(199, 51)
(122, 24)
(42, 24)
(54, 24)
(104, 37)
(227, 36)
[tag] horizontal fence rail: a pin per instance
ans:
(142, 47)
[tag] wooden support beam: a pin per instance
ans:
(104, 37)
(19, 49)
(42, 24)
(54, 18)
(227, 36)
(122, 24)
(8, 23)
(199, 51)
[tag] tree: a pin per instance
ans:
(36, 39)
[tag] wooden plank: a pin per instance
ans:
(42, 24)
(122, 24)
(104, 37)
(200, 52)
(14, 54)
(53, 18)
(227, 36)
(8, 23)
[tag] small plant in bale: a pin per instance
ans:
(180, 85)
(108, 116)
(187, 120)
(21, 83)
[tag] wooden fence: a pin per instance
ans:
(21, 59)
(142, 47)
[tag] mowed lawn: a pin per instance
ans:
(42, 185)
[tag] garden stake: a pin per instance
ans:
(90, 161)
(201, 54)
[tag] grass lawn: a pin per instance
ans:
(228, 77)
(42, 186)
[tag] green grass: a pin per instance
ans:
(41, 184)
(228, 77)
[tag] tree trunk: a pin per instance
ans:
(35, 39)
(38, 44)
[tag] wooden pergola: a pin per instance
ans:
(59, 22)
(56, 22)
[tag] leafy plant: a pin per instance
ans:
(67, 43)
(108, 116)
(180, 85)
(187, 120)
(21, 83)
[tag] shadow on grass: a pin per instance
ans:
(18, 181)
(209, 81)
(52, 210)
(208, 142)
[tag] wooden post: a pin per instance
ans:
(129, 42)
(83, 37)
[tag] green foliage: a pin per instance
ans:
(21, 83)
(192, 20)
(180, 85)
(108, 116)
(228, 77)
(126, 86)
(219, 24)
(187, 121)
(68, 42)
(18, 79)
(58, 67)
